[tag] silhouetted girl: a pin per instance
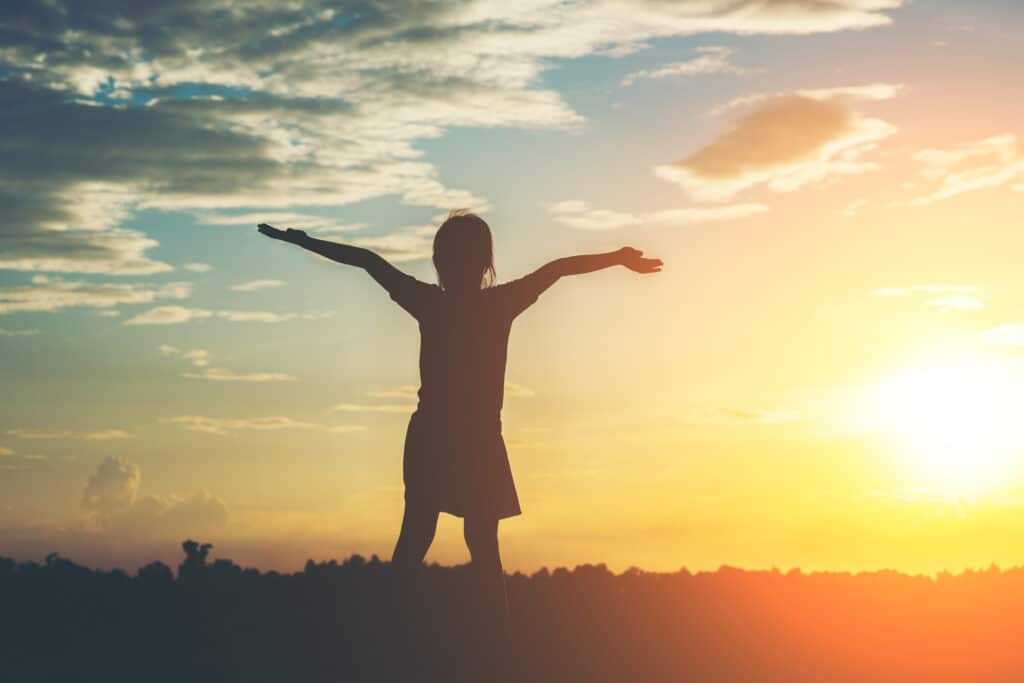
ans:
(455, 459)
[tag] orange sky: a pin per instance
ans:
(825, 375)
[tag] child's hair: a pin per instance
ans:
(464, 251)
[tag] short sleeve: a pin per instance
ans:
(516, 296)
(409, 293)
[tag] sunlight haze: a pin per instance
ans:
(827, 374)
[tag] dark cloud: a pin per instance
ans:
(108, 107)
(68, 170)
(782, 132)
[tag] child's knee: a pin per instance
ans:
(481, 536)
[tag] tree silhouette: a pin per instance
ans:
(334, 621)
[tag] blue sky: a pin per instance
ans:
(204, 380)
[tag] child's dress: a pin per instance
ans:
(455, 459)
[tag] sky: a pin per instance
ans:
(825, 375)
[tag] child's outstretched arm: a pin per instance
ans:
(374, 264)
(577, 265)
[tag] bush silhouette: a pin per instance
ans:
(336, 621)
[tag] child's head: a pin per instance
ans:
(463, 252)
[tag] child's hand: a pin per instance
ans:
(635, 261)
(289, 235)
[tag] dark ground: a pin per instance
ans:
(343, 622)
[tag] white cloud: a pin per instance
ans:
(221, 426)
(579, 214)
(945, 288)
(990, 163)
(17, 333)
(198, 267)
(168, 315)
(847, 94)
(408, 244)
(112, 487)
(960, 302)
(320, 225)
(854, 207)
(518, 390)
(336, 104)
(956, 296)
(373, 408)
(102, 435)
(172, 516)
(404, 391)
(708, 61)
(47, 294)
(199, 357)
(172, 315)
(106, 435)
(223, 375)
(254, 316)
(111, 499)
(254, 285)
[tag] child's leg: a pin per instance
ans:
(418, 526)
(493, 649)
(482, 539)
(407, 603)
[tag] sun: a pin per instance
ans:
(957, 419)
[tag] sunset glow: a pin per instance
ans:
(827, 373)
(956, 420)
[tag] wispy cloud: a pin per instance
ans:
(408, 244)
(993, 162)
(255, 285)
(960, 302)
(709, 60)
(220, 425)
(956, 296)
(843, 93)
(787, 142)
(174, 315)
(223, 375)
(854, 207)
(303, 106)
(101, 435)
(201, 358)
(198, 357)
(198, 267)
(283, 219)
(168, 315)
(518, 390)
(404, 391)
(255, 316)
(373, 408)
(579, 214)
(47, 294)
(4, 332)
